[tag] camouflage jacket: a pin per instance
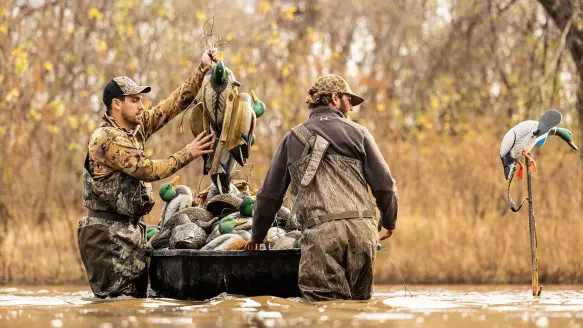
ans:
(117, 170)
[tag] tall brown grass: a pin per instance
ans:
(454, 225)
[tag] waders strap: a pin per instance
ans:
(339, 216)
(114, 216)
(302, 133)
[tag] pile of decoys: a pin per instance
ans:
(214, 220)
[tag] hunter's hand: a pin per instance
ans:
(253, 246)
(387, 235)
(210, 57)
(201, 145)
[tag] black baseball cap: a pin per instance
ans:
(122, 86)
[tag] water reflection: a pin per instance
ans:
(435, 306)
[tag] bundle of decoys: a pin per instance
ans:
(517, 143)
(220, 108)
(214, 220)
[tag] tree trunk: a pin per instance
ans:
(561, 12)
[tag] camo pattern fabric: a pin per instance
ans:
(323, 195)
(113, 148)
(330, 83)
(337, 256)
(338, 260)
(116, 176)
(114, 257)
(129, 87)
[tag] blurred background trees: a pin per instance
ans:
(443, 81)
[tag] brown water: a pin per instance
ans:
(430, 306)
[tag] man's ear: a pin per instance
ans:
(335, 99)
(115, 103)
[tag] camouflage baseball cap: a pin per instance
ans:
(334, 83)
(122, 86)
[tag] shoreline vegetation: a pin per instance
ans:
(442, 87)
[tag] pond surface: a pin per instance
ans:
(430, 306)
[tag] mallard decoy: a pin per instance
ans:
(167, 190)
(151, 231)
(520, 140)
(187, 236)
(287, 241)
(247, 206)
(199, 216)
(182, 200)
(220, 109)
(223, 204)
(524, 136)
(225, 242)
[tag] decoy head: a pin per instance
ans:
(509, 164)
(167, 190)
(258, 105)
(229, 222)
(246, 207)
(219, 73)
(566, 135)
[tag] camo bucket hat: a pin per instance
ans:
(122, 86)
(330, 83)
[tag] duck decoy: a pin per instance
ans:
(220, 109)
(520, 140)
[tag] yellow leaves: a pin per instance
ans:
(274, 38)
(58, 107)
(132, 66)
(289, 13)
(85, 93)
(52, 129)
(236, 59)
(434, 102)
(3, 12)
(335, 54)
(91, 70)
(200, 15)
(286, 69)
(94, 13)
(34, 114)
(91, 125)
(264, 7)
(381, 107)
(125, 4)
(20, 58)
(251, 69)
(147, 104)
(229, 37)
(13, 95)
(149, 153)
(256, 37)
(3, 29)
(73, 122)
(2, 131)
(254, 148)
(288, 90)
(73, 146)
(101, 46)
(513, 79)
(130, 30)
(48, 66)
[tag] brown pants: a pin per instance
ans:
(114, 257)
(338, 260)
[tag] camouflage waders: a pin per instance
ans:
(337, 216)
(112, 238)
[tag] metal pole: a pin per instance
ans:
(536, 290)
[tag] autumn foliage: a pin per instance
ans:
(443, 81)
